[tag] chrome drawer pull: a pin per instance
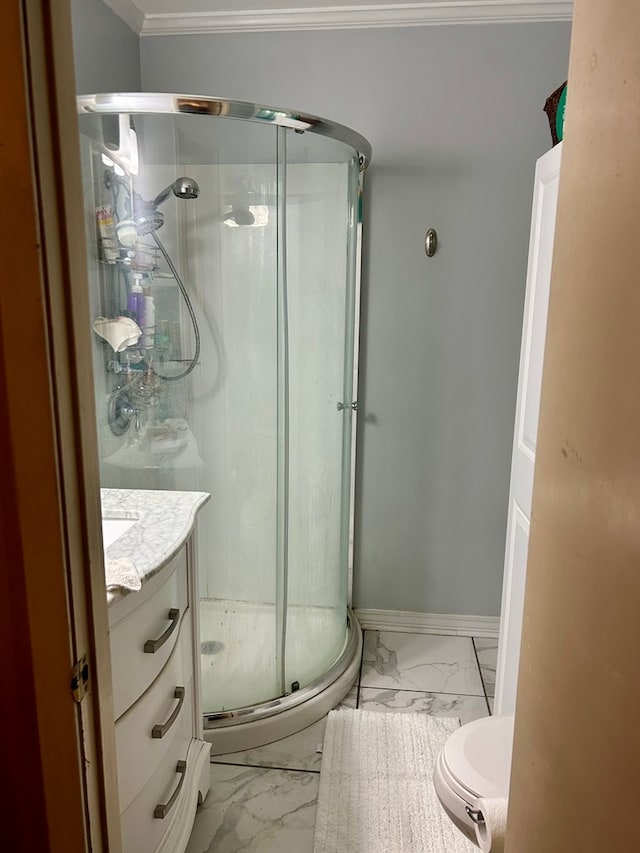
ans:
(163, 809)
(152, 646)
(161, 729)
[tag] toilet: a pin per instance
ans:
(474, 762)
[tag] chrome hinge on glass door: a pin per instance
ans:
(342, 406)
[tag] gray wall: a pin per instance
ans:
(455, 118)
(106, 51)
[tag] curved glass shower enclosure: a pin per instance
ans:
(229, 233)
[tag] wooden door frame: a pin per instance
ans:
(60, 754)
(576, 745)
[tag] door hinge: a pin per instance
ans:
(80, 679)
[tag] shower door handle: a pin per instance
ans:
(342, 406)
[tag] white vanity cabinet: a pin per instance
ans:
(163, 765)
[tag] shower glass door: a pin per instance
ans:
(232, 250)
(320, 185)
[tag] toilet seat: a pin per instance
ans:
(476, 759)
(474, 762)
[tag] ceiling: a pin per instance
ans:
(168, 17)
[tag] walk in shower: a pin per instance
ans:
(224, 247)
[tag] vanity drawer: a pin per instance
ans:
(139, 752)
(142, 831)
(154, 624)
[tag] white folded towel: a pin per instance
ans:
(121, 332)
(122, 574)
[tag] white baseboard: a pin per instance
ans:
(450, 624)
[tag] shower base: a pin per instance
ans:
(238, 663)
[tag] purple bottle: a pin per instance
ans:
(135, 301)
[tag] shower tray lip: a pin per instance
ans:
(169, 103)
(252, 713)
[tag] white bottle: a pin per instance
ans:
(149, 319)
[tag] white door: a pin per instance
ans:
(543, 220)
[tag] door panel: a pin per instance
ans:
(536, 306)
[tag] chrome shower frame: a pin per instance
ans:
(162, 103)
(242, 728)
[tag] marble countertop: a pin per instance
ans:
(163, 522)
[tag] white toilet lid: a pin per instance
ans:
(478, 756)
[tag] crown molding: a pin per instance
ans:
(426, 13)
(127, 11)
(422, 14)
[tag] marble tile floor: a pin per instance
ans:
(263, 800)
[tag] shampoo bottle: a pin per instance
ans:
(135, 302)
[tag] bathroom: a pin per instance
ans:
(454, 116)
(440, 337)
(440, 341)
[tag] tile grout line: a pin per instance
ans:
(482, 695)
(486, 698)
(364, 633)
(264, 767)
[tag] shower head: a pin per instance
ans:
(183, 187)
(148, 219)
(147, 216)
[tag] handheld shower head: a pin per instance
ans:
(184, 187)
(147, 216)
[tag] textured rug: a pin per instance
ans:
(376, 786)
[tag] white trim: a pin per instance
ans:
(450, 624)
(353, 17)
(128, 12)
